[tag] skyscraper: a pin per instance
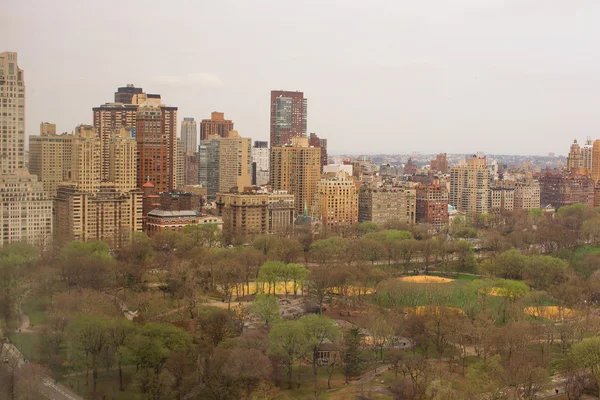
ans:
(189, 135)
(225, 163)
(315, 141)
(297, 169)
(50, 157)
(288, 116)
(260, 163)
(216, 125)
(336, 200)
(469, 186)
(25, 210)
(156, 134)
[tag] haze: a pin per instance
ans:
(513, 77)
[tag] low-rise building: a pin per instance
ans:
(159, 220)
(387, 204)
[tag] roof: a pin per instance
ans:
(166, 213)
(148, 184)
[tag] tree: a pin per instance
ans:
(541, 272)
(507, 265)
(119, 331)
(218, 325)
(465, 259)
(269, 273)
(586, 354)
(267, 307)
(317, 329)
(88, 336)
(351, 356)
(287, 341)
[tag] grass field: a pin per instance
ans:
(35, 308)
(27, 343)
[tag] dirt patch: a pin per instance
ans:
(433, 310)
(425, 279)
(551, 312)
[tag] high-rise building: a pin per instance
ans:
(156, 134)
(191, 168)
(25, 210)
(86, 159)
(575, 159)
(107, 118)
(122, 160)
(469, 186)
(127, 93)
(189, 135)
(595, 173)
(217, 125)
(336, 200)
(226, 163)
(179, 165)
(260, 163)
(296, 168)
(50, 157)
(288, 117)
(432, 205)
(315, 141)
(387, 204)
(501, 198)
(587, 154)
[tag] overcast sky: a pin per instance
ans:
(396, 76)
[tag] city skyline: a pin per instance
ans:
(389, 73)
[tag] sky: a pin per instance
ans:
(396, 76)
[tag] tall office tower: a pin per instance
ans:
(227, 163)
(595, 174)
(288, 117)
(527, 195)
(260, 163)
(296, 168)
(156, 133)
(469, 186)
(440, 164)
(336, 200)
(50, 157)
(25, 210)
(109, 117)
(190, 166)
(189, 135)
(575, 159)
(315, 141)
(122, 162)
(432, 205)
(217, 125)
(387, 204)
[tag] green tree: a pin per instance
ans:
(269, 273)
(267, 307)
(586, 354)
(541, 272)
(119, 331)
(317, 329)
(287, 342)
(352, 353)
(88, 336)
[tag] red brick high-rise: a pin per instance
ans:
(315, 141)
(156, 134)
(288, 116)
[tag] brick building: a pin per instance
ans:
(432, 205)
(560, 190)
(288, 116)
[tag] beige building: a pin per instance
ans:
(50, 157)
(501, 198)
(107, 215)
(254, 213)
(527, 195)
(180, 164)
(387, 204)
(469, 186)
(86, 159)
(336, 200)
(122, 160)
(296, 168)
(25, 210)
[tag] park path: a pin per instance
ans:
(25, 324)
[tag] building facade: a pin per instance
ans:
(501, 198)
(432, 205)
(315, 141)
(255, 213)
(559, 190)
(387, 204)
(25, 209)
(527, 195)
(217, 125)
(469, 186)
(189, 135)
(50, 158)
(260, 163)
(296, 168)
(159, 220)
(122, 159)
(336, 200)
(288, 116)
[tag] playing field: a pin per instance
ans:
(425, 279)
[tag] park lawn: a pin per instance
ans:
(28, 344)
(108, 385)
(35, 308)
